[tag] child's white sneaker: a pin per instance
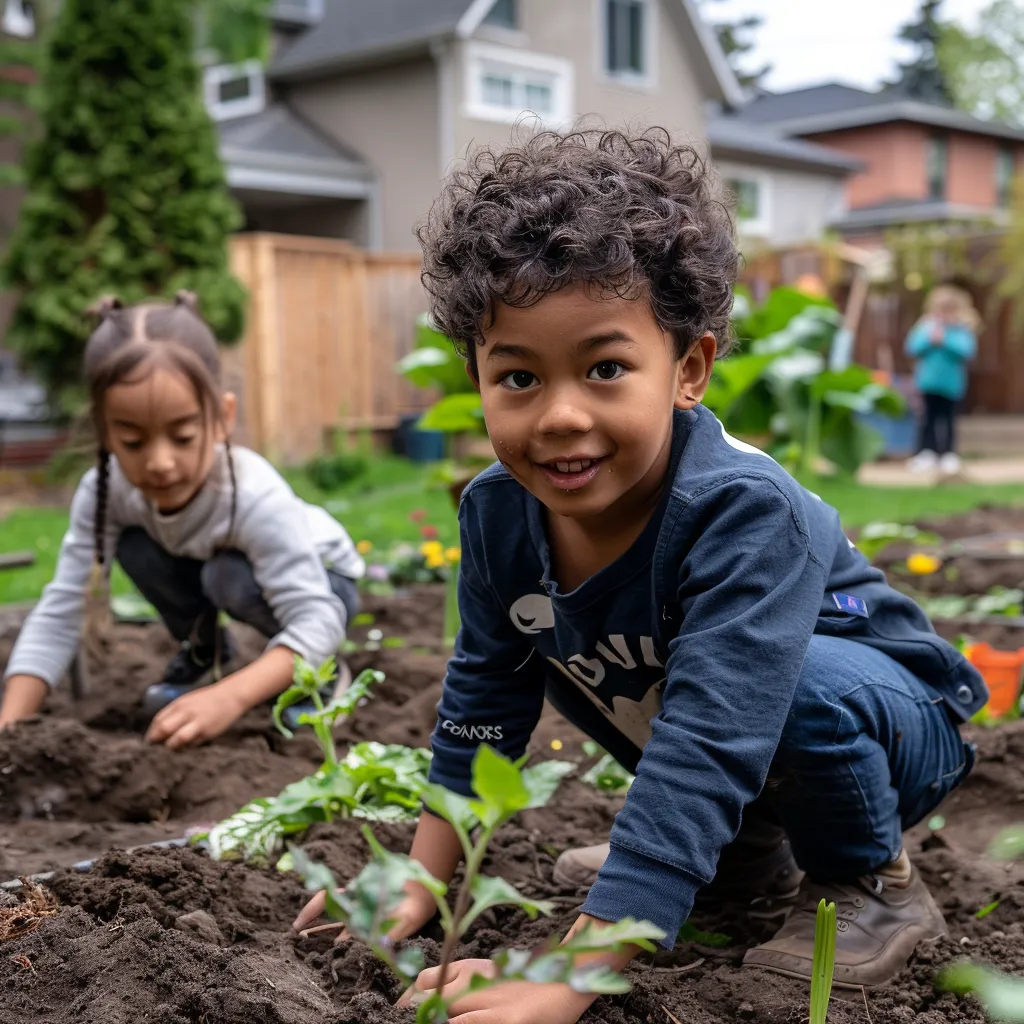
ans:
(950, 463)
(923, 462)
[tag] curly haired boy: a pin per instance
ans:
(670, 590)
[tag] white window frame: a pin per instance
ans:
(559, 74)
(298, 12)
(761, 225)
(224, 110)
(17, 21)
(649, 78)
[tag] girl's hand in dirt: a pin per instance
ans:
(196, 717)
(412, 913)
(514, 1002)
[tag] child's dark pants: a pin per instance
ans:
(868, 751)
(938, 425)
(188, 593)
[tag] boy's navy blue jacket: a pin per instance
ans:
(681, 658)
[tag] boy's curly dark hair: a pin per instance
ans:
(629, 214)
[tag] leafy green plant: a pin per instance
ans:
(1001, 995)
(874, 538)
(999, 601)
(607, 774)
(824, 962)
(367, 904)
(434, 363)
(343, 463)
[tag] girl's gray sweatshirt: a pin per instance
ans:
(289, 543)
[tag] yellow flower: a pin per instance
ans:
(364, 546)
(435, 561)
(432, 549)
(556, 744)
(921, 564)
(454, 555)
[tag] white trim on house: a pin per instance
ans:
(734, 93)
(217, 75)
(264, 179)
(473, 18)
(647, 80)
(523, 70)
(444, 57)
(19, 19)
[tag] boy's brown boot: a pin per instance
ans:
(880, 920)
(757, 869)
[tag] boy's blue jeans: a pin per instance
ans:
(868, 751)
(188, 593)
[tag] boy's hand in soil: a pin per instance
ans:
(411, 915)
(515, 1002)
(24, 696)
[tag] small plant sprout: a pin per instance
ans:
(307, 682)
(366, 906)
(1001, 996)
(824, 962)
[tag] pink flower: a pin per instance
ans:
(429, 532)
(417, 515)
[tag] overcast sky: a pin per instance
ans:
(814, 41)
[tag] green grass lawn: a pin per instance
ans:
(376, 508)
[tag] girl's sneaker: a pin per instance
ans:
(192, 667)
(950, 463)
(923, 462)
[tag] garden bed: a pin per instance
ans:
(170, 937)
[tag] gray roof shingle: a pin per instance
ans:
(833, 107)
(357, 28)
(730, 136)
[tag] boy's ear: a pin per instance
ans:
(694, 371)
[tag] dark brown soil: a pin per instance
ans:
(167, 936)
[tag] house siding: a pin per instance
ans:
(390, 116)
(571, 30)
(801, 204)
(896, 164)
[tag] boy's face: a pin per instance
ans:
(578, 393)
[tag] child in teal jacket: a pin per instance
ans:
(942, 342)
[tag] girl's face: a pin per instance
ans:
(578, 393)
(157, 430)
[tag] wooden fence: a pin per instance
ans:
(327, 322)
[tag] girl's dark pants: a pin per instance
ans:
(189, 593)
(938, 425)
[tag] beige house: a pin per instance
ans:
(400, 89)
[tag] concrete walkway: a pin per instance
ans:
(973, 471)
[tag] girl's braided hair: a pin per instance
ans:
(128, 344)
(629, 214)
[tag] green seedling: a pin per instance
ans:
(987, 909)
(368, 904)
(874, 538)
(824, 964)
(307, 682)
(713, 940)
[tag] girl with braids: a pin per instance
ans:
(199, 525)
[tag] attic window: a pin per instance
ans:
(504, 84)
(19, 19)
(234, 90)
(504, 14)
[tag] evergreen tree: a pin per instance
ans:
(922, 77)
(735, 38)
(126, 190)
